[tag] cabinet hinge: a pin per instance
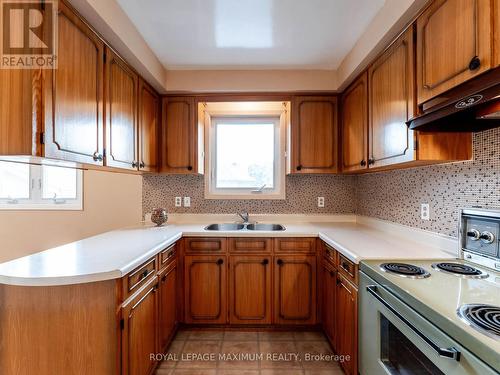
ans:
(42, 138)
(122, 324)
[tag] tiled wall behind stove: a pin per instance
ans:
(397, 195)
(301, 196)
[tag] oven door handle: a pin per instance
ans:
(450, 353)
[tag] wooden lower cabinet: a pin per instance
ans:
(167, 304)
(328, 301)
(205, 279)
(250, 289)
(295, 289)
(139, 335)
(347, 324)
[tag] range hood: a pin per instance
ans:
(473, 106)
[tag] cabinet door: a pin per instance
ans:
(149, 114)
(496, 36)
(178, 136)
(139, 335)
(73, 93)
(328, 292)
(121, 113)
(250, 302)
(347, 324)
(205, 289)
(354, 128)
(391, 104)
(295, 289)
(314, 135)
(453, 44)
(168, 306)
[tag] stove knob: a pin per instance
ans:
(473, 234)
(487, 237)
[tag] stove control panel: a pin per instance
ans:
(479, 232)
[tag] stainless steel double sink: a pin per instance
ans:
(228, 227)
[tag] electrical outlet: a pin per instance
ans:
(425, 212)
(321, 201)
(178, 201)
(187, 201)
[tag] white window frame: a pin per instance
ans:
(36, 202)
(279, 118)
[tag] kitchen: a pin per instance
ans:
(231, 187)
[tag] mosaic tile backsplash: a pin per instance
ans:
(301, 196)
(393, 195)
(397, 195)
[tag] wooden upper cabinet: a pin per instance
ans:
(314, 135)
(295, 289)
(454, 44)
(19, 129)
(354, 126)
(250, 302)
(205, 286)
(392, 103)
(179, 136)
(149, 116)
(121, 113)
(73, 93)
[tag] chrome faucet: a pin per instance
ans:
(245, 216)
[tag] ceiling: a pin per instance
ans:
(251, 34)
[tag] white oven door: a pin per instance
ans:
(394, 339)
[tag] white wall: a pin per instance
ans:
(111, 201)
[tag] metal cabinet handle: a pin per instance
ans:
(97, 156)
(144, 274)
(265, 262)
(134, 164)
(299, 167)
(142, 165)
(363, 163)
(220, 261)
(475, 63)
(345, 266)
(280, 262)
(371, 161)
(450, 353)
(189, 168)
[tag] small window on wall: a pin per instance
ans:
(36, 187)
(246, 151)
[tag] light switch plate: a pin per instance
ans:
(187, 201)
(178, 201)
(425, 213)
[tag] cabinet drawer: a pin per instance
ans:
(168, 255)
(138, 277)
(205, 245)
(295, 245)
(254, 245)
(329, 253)
(348, 268)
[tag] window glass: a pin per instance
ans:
(14, 181)
(59, 183)
(245, 154)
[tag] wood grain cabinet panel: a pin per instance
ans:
(73, 93)
(139, 335)
(454, 44)
(205, 244)
(250, 245)
(179, 136)
(205, 289)
(354, 126)
(250, 289)
(347, 324)
(295, 245)
(121, 113)
(167, 304)
(328, 277)
(149, 119)
(295, 289)
(314, 134)
(391, 104)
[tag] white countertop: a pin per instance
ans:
(113, 254)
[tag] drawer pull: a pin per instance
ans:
(265, 262)
(144, 274)
(280, 262)
(346, 266)
(475, 63)
(220, 262)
